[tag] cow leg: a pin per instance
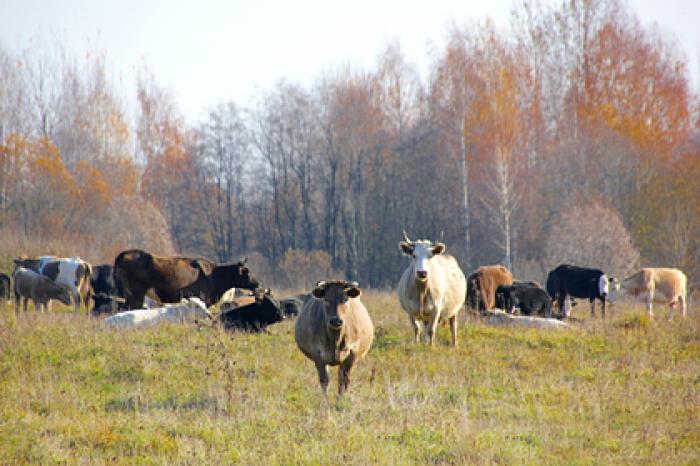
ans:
(323, 377)
(76, 300)
(650, 299)
(592, 307)
(671, 308)
(602, 312)
(681, 300)
(453, 329)
(430, 328)
(416, 328)
(344, 372)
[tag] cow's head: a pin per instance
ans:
(246, 278)
(335, 296)
(421, 251)
(615, 288)
(63, 295)
(105, 304)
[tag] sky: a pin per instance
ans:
(206, 52)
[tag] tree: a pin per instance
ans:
(591, 235)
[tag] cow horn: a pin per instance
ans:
(244, 260)
(320, 284)
(352, 285)
(405, 237)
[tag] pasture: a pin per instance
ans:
(626, 391)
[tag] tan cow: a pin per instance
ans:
(334, 329)
(482, 286)
(432, 287)
(654, 285)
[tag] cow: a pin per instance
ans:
(482, 285)
(654, 285)
(500, 318)
(292, 306)
(253, 317)
(527, 296)
(432, 288)
(28, 284)
(106, 295)
(188, 310)
(578, 282)
(242, 298)
(5, 287)
(334, 329)
(174, 277)
(71, 272)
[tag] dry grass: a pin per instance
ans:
(623, 392)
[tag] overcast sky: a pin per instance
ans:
(208, 51)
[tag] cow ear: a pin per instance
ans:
(406, 248)
(353, 292)
(439, 248)
(319, 292)
(204, 265)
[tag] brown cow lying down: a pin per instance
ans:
(31, 285)
(500, 318)
(334, 329)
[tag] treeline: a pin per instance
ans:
(575, 109)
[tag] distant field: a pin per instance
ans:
(623, 392)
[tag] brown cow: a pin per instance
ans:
(334, 329)
(174, 277)
(482, 286)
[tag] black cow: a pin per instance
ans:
(107, 297)
(254, 317)
(175, 277)
(5, 287)
(530, 298)
(578, 282)
(292, 306)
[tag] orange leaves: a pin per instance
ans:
(637, 87)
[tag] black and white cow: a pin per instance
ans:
(531, 299)
(578, 282)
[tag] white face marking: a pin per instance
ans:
(603, 285)
(422, 255)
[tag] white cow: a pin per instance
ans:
(654, 285)
(432, 288)
(501, 318)
(186, 311)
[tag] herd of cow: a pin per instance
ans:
(333, 327)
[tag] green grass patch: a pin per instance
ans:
(622, 391)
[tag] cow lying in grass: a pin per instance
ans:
(188, 310)
(255, 316)
(500, 318)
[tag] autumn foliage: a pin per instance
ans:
(514, 143)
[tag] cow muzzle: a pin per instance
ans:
(422, 275)
(336, 323)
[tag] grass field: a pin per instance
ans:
(626, 391)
